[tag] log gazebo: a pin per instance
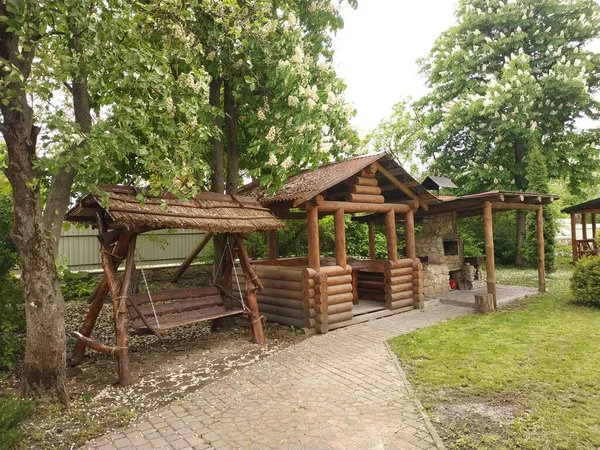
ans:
(587, 245)
(120, 217)
(319, 294)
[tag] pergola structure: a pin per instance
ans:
(586, 245)
(120, 218)
(486, 204)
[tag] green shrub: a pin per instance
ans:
(12, 322)
(77, 285)
(12, 412)
(585, 282)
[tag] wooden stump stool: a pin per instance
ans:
(484, 303)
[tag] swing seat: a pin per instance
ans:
(177, 307)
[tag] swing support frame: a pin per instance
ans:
(117, 248)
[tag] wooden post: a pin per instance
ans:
(583, 227)
(372, 240)
(340, 238)
(191, 257)
(312, 225)
(409, 229)
(272, 240)
(97, 301)
(594, 226)
(390, 233)
(255, 319)
(490, 265)
(540, 250)
(574, 237)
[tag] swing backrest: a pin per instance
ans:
(178, 307)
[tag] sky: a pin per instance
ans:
(377, 50)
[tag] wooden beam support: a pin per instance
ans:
(540, 250)
(312, 226)
(390, 233)
(593, 225)
(409, 230)
(574, 237)
(490, 265)
(371, 240)
(392, 179)
(191, 257)
(246, 264)
(513, 206)
(273, 244)
(95, 345)
(583, 226)
(350, 207)
(340, 237)
(536, 200)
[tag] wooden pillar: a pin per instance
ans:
(390, 233)
(312, 227)
(409, 229)
(191, 257)
(490, 265)
(574, 237)
(540, 250)
(256, 328)
(583, 227)
(273, 244)
(372, 240)
(340, 237)
(594, 226)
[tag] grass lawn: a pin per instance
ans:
(527, 376)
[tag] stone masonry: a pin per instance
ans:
(341, 390)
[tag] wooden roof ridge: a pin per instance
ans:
(208, 211)
(307, 184)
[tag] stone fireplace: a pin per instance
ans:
(440, 248)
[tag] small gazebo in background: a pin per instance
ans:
(586, 244)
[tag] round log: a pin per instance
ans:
(308, 283)
(339, 279)
(321, 298)
(289, 275)
(362, 181)
(390, 298)
(282, 284)
(365, 198)
(308, 273)
(340, 298)
(288, 312)
(375, 285)
(400, 280)
(341, 317)
(321, 288)
(281, 302)
(339, 289)
(322, 317)
(368, 190)
(320, 277)
(308, 293)
(282, 293)
(390, 265)
(401, 304)
(309, 303)
(392, 273)
(395, 288)
(290, 321)
(336, 270)
(340, 308)
(322, 328)
(484, 303)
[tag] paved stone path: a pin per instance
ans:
(342, 390)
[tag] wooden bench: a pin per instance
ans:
(176, 307)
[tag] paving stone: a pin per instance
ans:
(339, 390)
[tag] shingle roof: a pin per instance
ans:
(585, 206)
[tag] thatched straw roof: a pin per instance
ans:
(208, 211)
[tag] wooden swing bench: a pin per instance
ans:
(120, 220)
(174, 308)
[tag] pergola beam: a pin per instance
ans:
(392, 179)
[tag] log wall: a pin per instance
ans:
(391, 282)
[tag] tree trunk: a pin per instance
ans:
(233, 164)
(521, 222)
(217, 159)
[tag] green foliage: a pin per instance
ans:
(585, 282)
(508, 75)
(77, 285)
(399, 135)
(13, 411)
(505, 239)
(12, 313)
(536, 174)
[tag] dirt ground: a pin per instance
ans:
(163, 371)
